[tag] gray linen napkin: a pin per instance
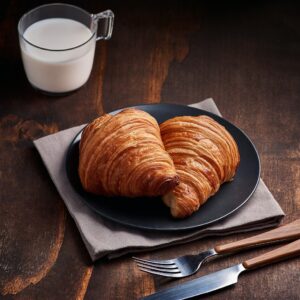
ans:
(106, 238)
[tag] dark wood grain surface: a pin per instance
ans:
(247, 57)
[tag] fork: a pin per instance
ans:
(189, 264)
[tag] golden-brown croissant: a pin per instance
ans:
(205, 155)
(123, 155)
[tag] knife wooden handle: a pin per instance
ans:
(281, 233)
(287, 251)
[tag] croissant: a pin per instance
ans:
(205, 155)
(123, 155)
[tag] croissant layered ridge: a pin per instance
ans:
(123, 155)
(205, 156)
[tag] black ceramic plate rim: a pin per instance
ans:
(172, 229)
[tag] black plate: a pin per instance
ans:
(151, 213)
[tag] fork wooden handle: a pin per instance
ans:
(285, 232)
(284, 252)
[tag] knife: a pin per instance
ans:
(225, 277)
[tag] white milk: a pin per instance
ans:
(58, 71)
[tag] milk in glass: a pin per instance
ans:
(59, 54)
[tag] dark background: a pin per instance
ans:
(246, 55)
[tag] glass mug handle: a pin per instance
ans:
(109, 16)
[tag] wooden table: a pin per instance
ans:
(246, 57)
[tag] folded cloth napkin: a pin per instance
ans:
(106, 238)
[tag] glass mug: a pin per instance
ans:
(57, 44)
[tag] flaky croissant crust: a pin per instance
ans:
(205, 155)
(123, 155)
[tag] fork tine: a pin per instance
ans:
(167, 270)
(154, 262)
(161, 266)
(175, 275)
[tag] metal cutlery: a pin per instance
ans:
(189, 264)
(225, 277)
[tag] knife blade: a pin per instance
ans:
(200, 286)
